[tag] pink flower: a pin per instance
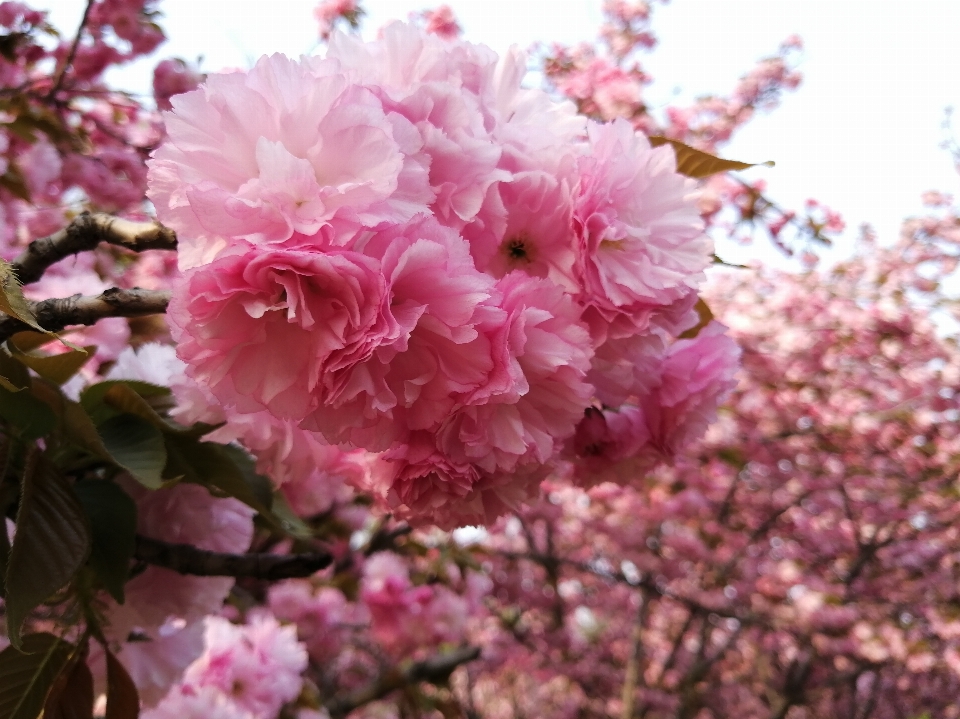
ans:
(258, 665)
(443, 90)
(442, 22)
(425, 487)
(549, 353)
(538, 236)
(161, 604)
(266, 330)
(328, 12)
(198, 703)
(322, 616)
(441, 353)
(280, 151)
(697, 375)
(404, 616)
(684, 392)
(627, 367)
(640, 238)
(173, 77)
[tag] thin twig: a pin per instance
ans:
(187, 559)
(85, 233)
(73, 51)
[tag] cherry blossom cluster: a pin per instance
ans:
(799, 560)
(607, 79)
(399, 248)
(65, 135)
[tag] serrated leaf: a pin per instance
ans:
(51, 543)
(699, 164)
(26, 678)
(72, 694)
(137, 446)
(57, 368)
(123, 701)
(79, 429)
(12, 301)
(706, 317)
(228, 469)
(113, 529)
(29, 416)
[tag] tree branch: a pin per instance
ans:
(187, 559)
(71, 55)
(59, 313)
(436, 670)
(86, 232)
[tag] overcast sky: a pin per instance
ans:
(861, 134)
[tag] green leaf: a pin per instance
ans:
(12, 301)
(28, 341)
(289, 522)
(113, 528)
(123, 701)
(72, 694)
(31, 417)
(79, 429)
(107, 399)
(26, 678)
(699, 164)
(57, 368)
(706, 317)
(15, 373)
(51, 543)
(228, 469)
(137, 446)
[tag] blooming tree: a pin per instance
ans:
(388, 292)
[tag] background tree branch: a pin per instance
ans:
(436, 670)
(187, 559)
(86, 232)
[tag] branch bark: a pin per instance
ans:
(187, 559)
(59, 313)
(435, 670)
(85, 233)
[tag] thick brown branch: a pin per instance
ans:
(187, 559)
(435, 670)
(86, 232)
(56, 314)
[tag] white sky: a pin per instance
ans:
(861, 134)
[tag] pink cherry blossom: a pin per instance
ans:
(640, 242)
(266, 329)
